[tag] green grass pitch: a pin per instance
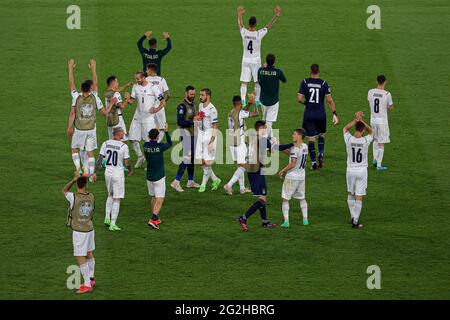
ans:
(200, 251)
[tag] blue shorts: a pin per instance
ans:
(257, 183)
(314, 124)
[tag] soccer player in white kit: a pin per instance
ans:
(294, 177)
(207, 123)
(357, 151)
(149, 101)
(380, 101)
(161, 83)
(237, 144)
(114, 91)
(251, 58)
(116, 155)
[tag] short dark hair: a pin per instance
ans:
(153, 134)
(381, 79)
(110, 79)
(141, 73)
(152, 66)
(236, 99)
(315, 68)
(85, 87)
(207, 91)
(270, 59)
(252, 21)
(82, 182)
(189, 88)
(152, 42)
(359, 126)
(259, 124)
(301, 131)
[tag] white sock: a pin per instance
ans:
(304, 208)
(257, 91)
(85, 272)
(375, 150)
(242, 179)
(109, 203)
(76, 160)
(115, 210)
(212, 174)
(84, 160)
(236, 176)
(91, 264)
(380, 156)
(351, 205)
(91, 163)
(285, 209)
(243, 92)
(137, 148)
(357, 210)
(269, 129)
(206, 174)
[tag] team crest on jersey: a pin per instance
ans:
(85, 209)
(87, 110)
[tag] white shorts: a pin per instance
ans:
(380, 132)
(122, 125)
(293, 189)
(115, 184)
(83, 242)
(357, 181)
(160, 118)
(249, 71)
(201, 147)
(157, 189)
(239, 153)
(84, 139)
(139, 129)
(270, 113)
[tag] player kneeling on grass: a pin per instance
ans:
(294, 181)
(114, 154)
(156, 177)
(357, 150)
(257, 150)
(238, 147)
(79, 218)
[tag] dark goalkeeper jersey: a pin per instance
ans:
(153, 152)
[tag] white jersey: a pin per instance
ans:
(211, 117)
(243, 114)
(115, 153)
(251, 40)
(379, 101)
(357, 150)
(147, 97)
(301, 154)
(158, 81)
(118, 96)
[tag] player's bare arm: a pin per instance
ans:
(69, 185)
(240, 13)
(108, 108)
(71, 120)
(349, 125)
(166, 35)
(126, 85)
(290, 166)
(128, 166)
(93, 66)
(333, 109)
(215, 127)
(162, 104)
(300, 98)
(166, 95)
(274, 18)
(71, 66)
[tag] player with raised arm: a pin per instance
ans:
(149, 101)
(294, 177)
(83, 117)
(357, 152)
(117, 156)
(156, 176)
(251, 58)
(269, 79)
(236, 140)
(153, 55)
(207, 122)
(312, 93)
(114, 119)
(186, 111)
(161, 83)
(380, 101)
(257, 152)
(79, 218)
